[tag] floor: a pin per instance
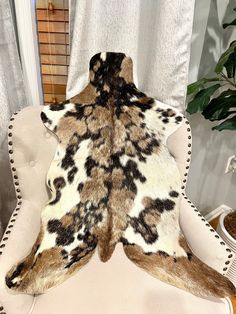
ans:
(214, 223)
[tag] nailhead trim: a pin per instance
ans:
(189, 144)
(18, 197)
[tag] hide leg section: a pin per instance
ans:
(187, 273)
(42, 270)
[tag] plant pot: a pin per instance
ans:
(231, 242)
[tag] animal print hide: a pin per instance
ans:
(113, 180)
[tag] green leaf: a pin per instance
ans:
(201, 99)
(225, 56)
(230, 65)
(229, 124)
(218, 108)
(229, 24)
(196, 86)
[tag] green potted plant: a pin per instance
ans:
(206, 95)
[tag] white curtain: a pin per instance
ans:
(155, 33)
(12, 98)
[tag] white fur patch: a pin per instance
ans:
(103, 56)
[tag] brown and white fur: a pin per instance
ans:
(113, 180)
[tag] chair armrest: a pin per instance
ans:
(17, 241)
(205, 243)
(203, 240)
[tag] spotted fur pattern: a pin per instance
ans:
(113, 180)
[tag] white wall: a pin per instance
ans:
(208, 186)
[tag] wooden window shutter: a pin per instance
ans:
(53, 37)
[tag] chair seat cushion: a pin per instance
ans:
(119, 287)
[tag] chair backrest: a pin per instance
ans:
(32, 148)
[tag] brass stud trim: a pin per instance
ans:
(19, 197)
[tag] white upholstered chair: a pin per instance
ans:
(118, 286)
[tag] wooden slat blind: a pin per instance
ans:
(53, 37)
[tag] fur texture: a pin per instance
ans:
(113, 179)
